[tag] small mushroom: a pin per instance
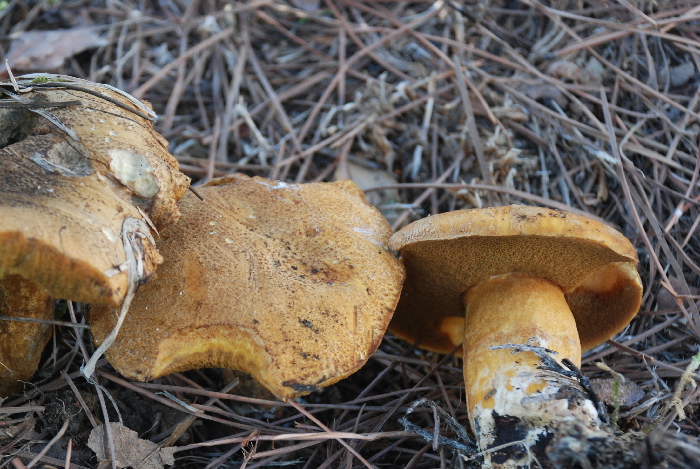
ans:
(536, 286)
(21, 343)
(293, 284)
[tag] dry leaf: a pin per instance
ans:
(367, 178)
(129, 449)
(667, 300)
(591, 74)
(39, 51)
(628, 393)
(679, 75)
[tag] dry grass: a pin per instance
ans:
(586, 105)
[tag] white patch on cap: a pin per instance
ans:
(134, 171)
(111, 235)
(371, 235)
(277, 185)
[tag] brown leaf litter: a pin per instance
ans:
(584, 105)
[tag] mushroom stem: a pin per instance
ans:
(22, 343)
(514, 405)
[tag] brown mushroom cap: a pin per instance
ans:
(293, 284)
(65, 193)
(21, 343)
(446, 254)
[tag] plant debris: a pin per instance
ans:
(45, 51)
(588, 106)
(129, 449)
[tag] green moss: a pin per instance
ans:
(616, 405)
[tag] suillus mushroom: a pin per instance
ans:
(21, 343)
(78, 159)
(290, 283)
(84, 179)
(524, 290)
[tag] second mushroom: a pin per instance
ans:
(524, 290)
(293, 284)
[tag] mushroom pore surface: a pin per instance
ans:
(446, 254)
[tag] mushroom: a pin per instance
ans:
(78, 160)
(290, 283)
(523, 290)
(84, 179)
(21, 343)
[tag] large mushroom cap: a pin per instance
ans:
(446, 254)
(78, 159)
(293, 284)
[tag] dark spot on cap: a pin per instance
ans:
(306, 323)
(300, 387)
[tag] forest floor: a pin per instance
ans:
(429, 106)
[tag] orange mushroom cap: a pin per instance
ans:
(293, 284)
(448, 253)
(67, 185)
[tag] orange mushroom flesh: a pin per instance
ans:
(517, 277)
(293, 284)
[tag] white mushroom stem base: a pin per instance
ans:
(514, 407)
